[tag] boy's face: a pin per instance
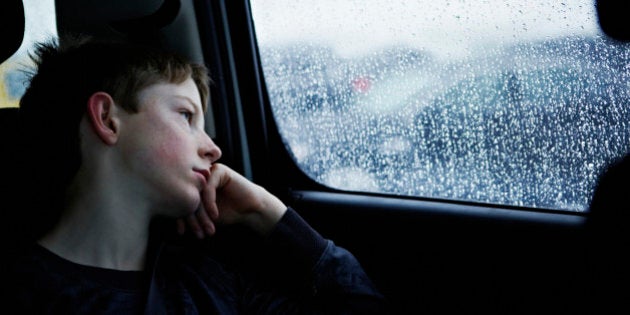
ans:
(165, 148)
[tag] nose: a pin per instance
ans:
(208, 149)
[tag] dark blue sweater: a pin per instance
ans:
(295, 271)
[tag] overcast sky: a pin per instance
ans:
(449, 28)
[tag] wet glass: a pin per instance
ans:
(497, 102)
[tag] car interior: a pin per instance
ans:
(426, 255)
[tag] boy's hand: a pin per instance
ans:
(230, 198)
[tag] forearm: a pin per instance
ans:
(316, 275)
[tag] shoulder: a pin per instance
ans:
(38, 281)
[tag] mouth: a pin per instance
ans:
(203, 172)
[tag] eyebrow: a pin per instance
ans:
(187, 99)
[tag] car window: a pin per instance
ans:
(39, 25)
(497, 102)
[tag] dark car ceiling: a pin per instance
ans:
(170, 24)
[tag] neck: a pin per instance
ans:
(100, 229)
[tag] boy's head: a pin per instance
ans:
(66, 76)
(69, 72)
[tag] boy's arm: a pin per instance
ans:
(307, 271)
(304, 273)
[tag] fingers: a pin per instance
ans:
(200, 224)
(206, 223)
(194, 225)
(209, 194)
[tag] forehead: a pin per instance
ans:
(186, 91)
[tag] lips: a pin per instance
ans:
(205, 173)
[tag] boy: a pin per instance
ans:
(114, 139)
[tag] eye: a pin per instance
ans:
(187, 115)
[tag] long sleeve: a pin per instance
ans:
(308, 274)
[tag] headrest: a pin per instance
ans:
(168, 24)
(12, 26)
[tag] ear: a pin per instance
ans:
(102, 114)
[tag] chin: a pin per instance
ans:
(182, 206)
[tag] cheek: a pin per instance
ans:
(171, 149)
